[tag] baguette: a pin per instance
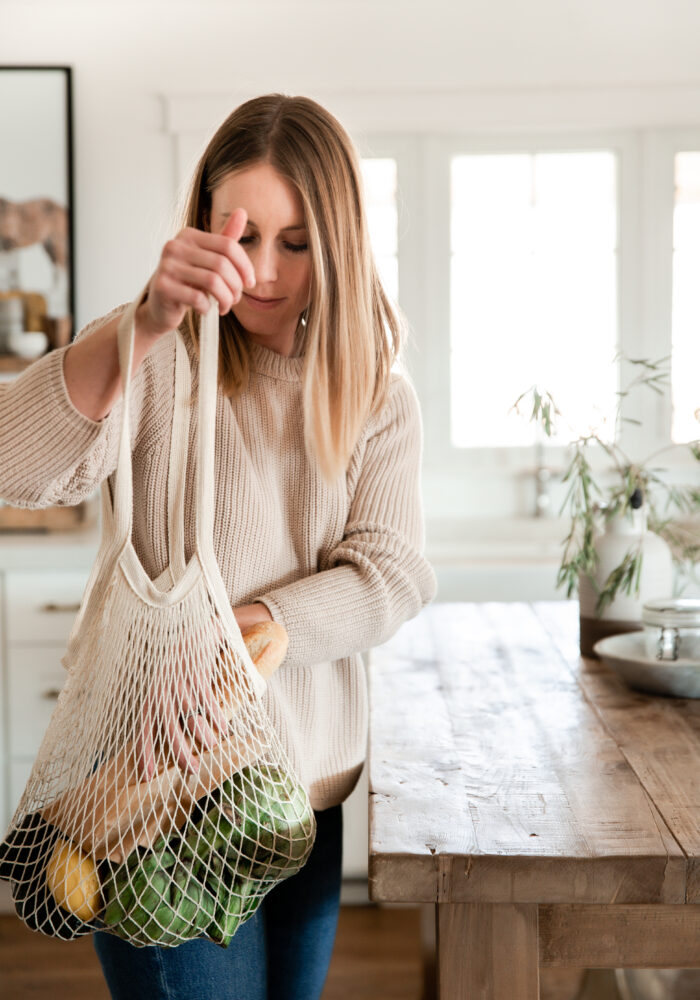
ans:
(267, 643)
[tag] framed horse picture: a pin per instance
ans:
(37, 287)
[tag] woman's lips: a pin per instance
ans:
(262, 303)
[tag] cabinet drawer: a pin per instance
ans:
(35, 677)
(41, 606)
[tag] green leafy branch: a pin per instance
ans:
(585, 499)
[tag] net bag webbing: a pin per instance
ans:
(161, 805)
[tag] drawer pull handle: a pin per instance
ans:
(65, 608)
(51, 694)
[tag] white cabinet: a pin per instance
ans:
(41, 606)
(42, 581)
(39, 610)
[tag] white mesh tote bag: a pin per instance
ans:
(161, 805)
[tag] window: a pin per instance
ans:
(379, 175)
(533, 296)
(686, 298)
(507, 280)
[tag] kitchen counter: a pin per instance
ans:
(25, 550)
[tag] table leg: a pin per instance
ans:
(428, 916)
(487, 951)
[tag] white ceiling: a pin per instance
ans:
(430, 45)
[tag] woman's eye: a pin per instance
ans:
(294, 247)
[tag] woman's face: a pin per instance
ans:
(276, 240)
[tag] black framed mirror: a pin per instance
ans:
(37, 250)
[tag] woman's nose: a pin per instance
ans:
(264, 260)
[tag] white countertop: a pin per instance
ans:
(49, 549)
(448, 544)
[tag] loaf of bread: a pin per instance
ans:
(267, 644)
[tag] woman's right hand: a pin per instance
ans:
(194, 265)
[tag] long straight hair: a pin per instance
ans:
(352, 333)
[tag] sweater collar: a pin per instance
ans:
(269, 362)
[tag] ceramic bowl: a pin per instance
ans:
(26, 345)
(627, 655)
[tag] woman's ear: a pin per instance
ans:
(206, 222)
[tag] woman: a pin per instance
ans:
(318, 511)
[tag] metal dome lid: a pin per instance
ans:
(674, 612)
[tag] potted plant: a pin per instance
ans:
(611, 591)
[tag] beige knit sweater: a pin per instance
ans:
(340, 567)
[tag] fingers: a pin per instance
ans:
(236, 224)
(185, 712)
(184, 757)
(217, 716)
(145, 756)
(182, 294)
(204, 696)
(212, 264)
(226, 290)
(189, 273)
(201, 731)
(195, 722)
(194, 265)
(222, 243)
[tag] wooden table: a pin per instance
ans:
(550, 814)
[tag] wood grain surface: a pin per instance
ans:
(549, 813)
(609, 937)
(500, 948)
(494, 777)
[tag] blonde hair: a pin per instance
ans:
(352, 333)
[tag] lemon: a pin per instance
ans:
(72, 878)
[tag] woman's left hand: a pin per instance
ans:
(251, 614)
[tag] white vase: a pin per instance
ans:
(623, 533)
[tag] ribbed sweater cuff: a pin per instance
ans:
(273, 607)
(328, 615)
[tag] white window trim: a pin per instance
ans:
(660, 148)
(645, 188)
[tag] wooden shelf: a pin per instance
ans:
(57, 518)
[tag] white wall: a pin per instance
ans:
(380, 63)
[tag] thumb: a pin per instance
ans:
(236, 224)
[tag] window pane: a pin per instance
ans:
(685, 349)
(533, 292)
(379, 175)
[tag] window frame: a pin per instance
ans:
(661, 149)
(645, 231)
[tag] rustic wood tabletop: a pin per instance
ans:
(549, 813)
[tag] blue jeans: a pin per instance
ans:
(282, 952)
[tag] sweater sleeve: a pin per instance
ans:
(377, 577)
(50, 452)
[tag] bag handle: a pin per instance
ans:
(177, 470)
(206, 428)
